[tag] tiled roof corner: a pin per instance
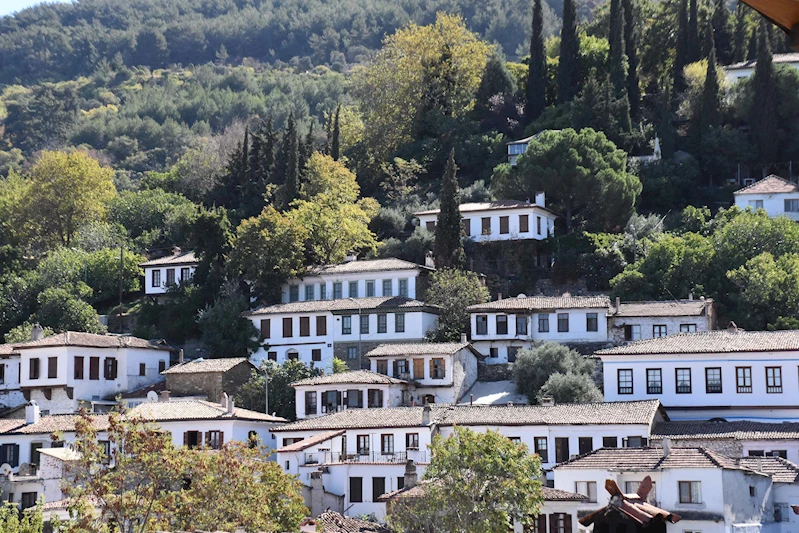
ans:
(198, 366)
(417, 348)
(769, 185)
(366, 265)
(340, 306)
(366, 377)
(719, 341)
(533, 303)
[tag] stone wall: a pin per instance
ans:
(209, 384)
(499, 372)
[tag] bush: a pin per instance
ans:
(570, 388)
(533, 368)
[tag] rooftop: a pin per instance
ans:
(776, 58)
(418, 348)
(48, 424)
(721, 341)
(769, 185)
(91, 340)
(181, 258)
(650, 458)
(622, 413)
(365, 377)
(368, 265)
(342, 306)
(737, 430)
(198, 366)
(64, 454)
(661, 308)
(333, 522)
(174, 410)
(536, 303)
(310, 441)
(550, 495)
(781, 470)
(488, 206)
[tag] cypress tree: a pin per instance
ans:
(751, 51)
(267, 152)
(329, 132)
(710, 113)
(537, 67)
(763, 116)
(448, 245)
(307, 147)
(618, 75)
(739, 37)
(630, 44)
(569, 64)
(335, 141)
(496, 80)
(681, 55)
(290, 156)
(722, 38)
(692, 49)
(665, 130)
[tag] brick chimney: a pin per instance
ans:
(317, 494)
(541, 199)
(548, 401)
(37, 332)
(32, 412)
(223, 401)
(180, 357)
(411, 478)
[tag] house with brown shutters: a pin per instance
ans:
(164, 273)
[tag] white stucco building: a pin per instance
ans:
(500, 220)
(358, 279)
(744, 69)
(777, 196)
(10, 391)
(315, 332)
(731, 374)
(635, 321)
(170, 271)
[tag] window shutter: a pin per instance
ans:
(338, 397)
(418, 369)
(380, 398)
(208, 438)
(542, 523)
(393, 368)
(221, 438)
(553, 523)
(185, 438)
(567, 522)
(432, 368)
(114, 368)
(443, 366)
(14, 455)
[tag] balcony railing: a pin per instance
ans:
(375, 457)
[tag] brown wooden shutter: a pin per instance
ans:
(443, 367)
(185, 438)
(553, 523)
(266, 328)
(524, 223)
(287, 327)
(222, 441)
(305, 326)
(208, 438)
(432, 368)
(321, 325)
(567, 522)
(418, 369)
(394, 368)
(504, 227)
(542, 523)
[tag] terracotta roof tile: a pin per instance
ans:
(366, 377)
(195, 410)
(738, 430)
(769, 185)
(184, 258)
(556, 495)
(781, 470)
(310, 441)
(417, 348)
(535, 303)
(370, 265)
(198, 366)
(49, 424)
(650, 458)
(721, 341)
(340, 306)
(664, 308)
(92, 340)
(487, 206)
(332, 522)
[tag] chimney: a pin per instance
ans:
(541, 199)
(411, 478)
(180, 357)
(223, 401)
(317, 494)
(230, 405)
(429, 260)
(464, 338)
(690, 296)
(32, 412)
(163, 396)
(548, 401)
(666, 446)
(37, 332)
(732, 327)
(499, 296)
(618, 304)
(351, 256)
(426, 415)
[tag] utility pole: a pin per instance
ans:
(121, 276)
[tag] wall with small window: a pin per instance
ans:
(158, 280)
(529, 222)
(629, 329)
(319, 400)
(780, 204)
(354, 285)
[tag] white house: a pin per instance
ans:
(317, 331)
(358, 279)
(517, 148)
(42, 480)
(732, 374)
(10, 391)
(170, 271)
(744, 69)
(774, 194)
(502, 327)
(635, 321)
(70, 370)
(500, 220)
(356, 389)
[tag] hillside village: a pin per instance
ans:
(436, 267)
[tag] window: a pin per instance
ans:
(400, 482)
(485, 225)
(375, 398)
(779, 453)
(659, 330)
(184, 274)
(337, 293)
(156, 278)
(430, 225)
(305, 326)
(773, 379)
(399, 323)
(363, 444)
(292, 355)
(9, 453)
(382, 323)
(35, 447)
(323, 291)
(294, 293)
(310, 403)
(401, 369)
(437, 368)
(309, 292)
(2, 373)
(142, 369)
(563, 322)
(654, 381)
(33, 368)
(352, 289)
(561, 449)
(713, 380)
(378, 487)
(632, 332)
(387, 287)
(467, 227)
(316, 354)
(504, 226)
(354, 399)
(94, 368)
(631, 487)
(386, 444)
(543, 323)
(214, 439)
(625, 377)
(502, 324)
(411, 441)
(110, 368)
(754, 204)
(170, 276)
(321, 325)
(515, 440)
(370, 288)
(482, 324)
(586, 444)
(791, 206)
(756, 453)
(403, 288)
(633, 442)
(781, 512)
(493, 353)
(363, 320)
(540, 446)
(687, 328)
(560, 523)
(538, 225)
(683, 380)
(52, 367)
(524, 223)
(356, 490)
(610, 442)
(512, 352)
(287, 327)
(266, 328)
(161, 366)
(352, 352)
(690, 491)
(592, 322)
(743, 379)
(586, 488)
(346, 325)
(272, 356)
(28, 500)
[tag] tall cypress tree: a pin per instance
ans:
(569, 63)
(267, 152)
(335, 140)
(618, 75)
(722, 36)
(710, 113)
(308, 147)
(630, 47)
(681, 55)
(448, 246)
(537, 67)
(693, 52)
(739, 35)
(290, 157)
(763, 117)
(752, 48)
(665, 129)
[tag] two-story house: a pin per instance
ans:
(500, 220)
(731, 374)
(358, 279)
(10, 391)
(165, 272)
(502, 327)
(316, 331)
(641, 320)
(356, 389)
(776, 195)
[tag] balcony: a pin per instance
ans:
(375, 457)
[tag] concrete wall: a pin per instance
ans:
(150, 289)
(328, 280)
(774, 204)
(472, 221)
(392, 396)
(616, 325)
(10, 393)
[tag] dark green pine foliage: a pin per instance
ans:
(710, 112)
(569, 63)
(751, 50)
(448, 247)
(496, 79)
(537, 67)
(618, 75)
(665, 129)
(763, 116)
(681, 55)
(290, 159)
(739, 35)
(722, 35)
(261, 168)
(335, 138)
(308, 146)
(630, 47)
(692, 49)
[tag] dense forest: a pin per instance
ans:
(270, 136)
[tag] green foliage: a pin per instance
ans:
(153, 218)
(282, 402)
(448, 248)
(22, 333)
(617, 67)
(62, 310)
(764, 112)
(569, 63)
(339, 366)
(537, 71)
(769, 288)
(533, 368)
(570, 388)
(453, 290)
(226, 333)
(175, 318)
(29, 521)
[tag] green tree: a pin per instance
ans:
(454, 291)
(631, 50)
(722, 34)
(62, 310)
(153, 218)
(616, 58)
(682, 53)
(476, 482)
(584, 175)
(335, 141)
(496, 80)
(152, 48)
(692, 46)
(290, 157)
(769, 289)
(764, 115)
(22, 333)
(448, 249)
(740, 34)
(710, 103)
(29, 521)
(225, 332)
(569, 62)
(251, 395)
(570, 388)
(534, 367)
(537, 67)
(211, 237)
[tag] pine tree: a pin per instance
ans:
(618, 75)
(630, 46)
(335, 141)
(739, 38)
(665, 130)
(290, 157)
(537, 67)
(710, 112)
(496, 79)
(448, 246)
(569, 64)
(681, 55)
(763, 116)
(751, 51)
(308, 146)
(693, 52)
(722, 38)
(267, 152)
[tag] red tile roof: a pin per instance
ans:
(310, 441)
(769, 185)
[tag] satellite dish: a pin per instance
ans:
(521, 295)
(5, 469)
(152, 396)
